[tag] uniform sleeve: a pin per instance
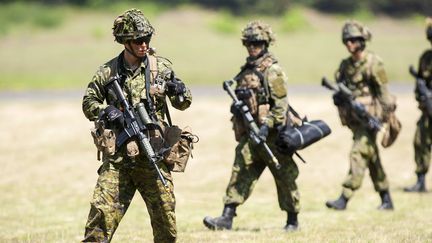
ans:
(94, 97)
(380, 81)
(277, 81)
(165, 72)
(338, 74)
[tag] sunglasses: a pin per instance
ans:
(352, 40)
(141, 40)
(253, 43)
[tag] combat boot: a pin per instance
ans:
(419, 186)
(386, 201)
(292, 222)
(338, 204)
(224, 221)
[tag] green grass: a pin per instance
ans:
(203, 45)
(49, 172)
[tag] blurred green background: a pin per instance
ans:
(59, 44)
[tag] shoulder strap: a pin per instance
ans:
(152, 65)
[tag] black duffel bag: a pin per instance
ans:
(292, 138)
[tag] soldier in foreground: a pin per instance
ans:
(423, 134)
(261, 86)
(144, 81)
(363, 74)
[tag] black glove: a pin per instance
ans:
(263, 132)
(338, 99)
(175, 87)
(235, 110)
(114, 116)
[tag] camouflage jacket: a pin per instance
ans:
(425, 70)
(367, 80)
(269, 84)
(97, 96)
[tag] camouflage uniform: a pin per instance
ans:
(264, 78)
(423, 133)
(251, 160)
(120, 175)
(367, 80)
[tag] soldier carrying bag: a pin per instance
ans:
(298, 135)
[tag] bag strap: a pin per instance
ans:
(167, 113)
(295, 113)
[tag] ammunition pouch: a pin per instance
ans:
(180, 143)
(293, 138)
(263, 112)
(105, 141)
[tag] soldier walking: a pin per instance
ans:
(423, 133)
(364, 75)
(261, 84)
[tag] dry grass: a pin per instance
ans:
(49, 170)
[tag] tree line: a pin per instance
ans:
(272, 7)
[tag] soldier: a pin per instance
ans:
(147, 79)
(265, 82)
(423, 134)
(363, 73)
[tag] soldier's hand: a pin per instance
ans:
(263, 132)
(114, 116)
(235, 110)
(337, 99)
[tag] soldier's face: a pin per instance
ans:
(352, 45)
(140, 46)
(254, 48)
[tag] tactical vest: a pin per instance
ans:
(358, 78)
(135, 87)
(425, 67)
(253, 78)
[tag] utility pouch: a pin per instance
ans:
(392, 132)
(263, 112)
(105, 141)
(132, 148)
(180, 143)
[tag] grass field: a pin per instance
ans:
(49, 171)
(203, 45)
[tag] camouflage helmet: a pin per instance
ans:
(429, 28)
(258, 31)
(131, 25)
(354, 29)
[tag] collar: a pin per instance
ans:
(256, 61)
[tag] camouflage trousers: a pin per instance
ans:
(422, 144)
(249, 163)
(364, 154)
(113, 194)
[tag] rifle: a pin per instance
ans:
(135, 127)
(249, 122)
(422, 89)
(371, 122)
